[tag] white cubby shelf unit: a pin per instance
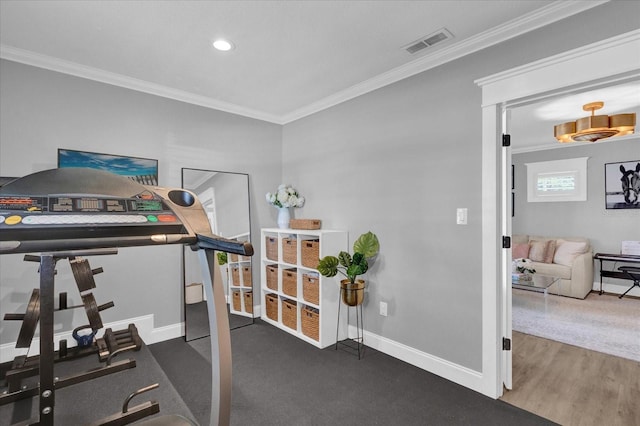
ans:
(240, 281)
(294, 296)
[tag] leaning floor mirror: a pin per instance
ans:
(225, 197)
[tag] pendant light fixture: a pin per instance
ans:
(595, 127)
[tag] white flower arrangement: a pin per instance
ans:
(285, 196)
(523, 266)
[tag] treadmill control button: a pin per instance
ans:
(166, 218)
(152, 218)
(1, 219)
(13, 220)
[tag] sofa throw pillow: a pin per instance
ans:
(550, 251)
(567, 251)
(520, 251)
(539, 250)
(536, 250)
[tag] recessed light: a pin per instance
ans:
(223, 45)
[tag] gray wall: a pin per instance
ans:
(399, 161)
(42, 111)
(605, 228)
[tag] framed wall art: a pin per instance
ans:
(622, 185)
(141, 170)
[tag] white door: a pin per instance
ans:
(505, 261)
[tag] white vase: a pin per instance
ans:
(284, 216)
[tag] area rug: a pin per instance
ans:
(602, 323)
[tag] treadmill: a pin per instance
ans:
(72, 212)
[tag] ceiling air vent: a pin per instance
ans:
(428, 41)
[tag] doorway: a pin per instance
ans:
(576, 70)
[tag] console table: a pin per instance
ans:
(625, 258)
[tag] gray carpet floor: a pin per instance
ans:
(280, 380)
(197, 320)
(603, 323)
(86, 402)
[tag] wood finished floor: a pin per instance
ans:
(573, 386)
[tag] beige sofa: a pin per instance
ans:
(569, 258)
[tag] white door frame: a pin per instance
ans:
(608, 60)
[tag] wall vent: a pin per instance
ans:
(428, 41)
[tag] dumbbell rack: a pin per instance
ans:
(44, 297)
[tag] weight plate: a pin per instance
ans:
(91, 308)
(30, 321)
(82, 273)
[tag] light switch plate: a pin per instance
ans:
(461, 216)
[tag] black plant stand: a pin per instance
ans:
(355, 345)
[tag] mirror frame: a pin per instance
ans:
(234, 323)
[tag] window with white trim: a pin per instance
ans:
(559, 180)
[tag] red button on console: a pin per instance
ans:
(166, 218)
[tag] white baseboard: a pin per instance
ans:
(167, 332)
(257, 311)
(144, 324)
(443, 368)
(456, 373)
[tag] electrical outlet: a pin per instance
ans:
(383, 309)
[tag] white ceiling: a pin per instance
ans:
(292, 58)
(532, 125)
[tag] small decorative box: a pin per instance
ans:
(304, 224)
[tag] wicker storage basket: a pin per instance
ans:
(290, 250)
(272, 277)
(310, 322)
(290, 282)
(234, 257)
(246, 276)
(310, 253)
(272, 247)
(248, 301)
(237, 301)
(311, 288)
(304, 224)
(235, 275)
(272, 306)
(290, 314)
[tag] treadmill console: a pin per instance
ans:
(77, 208)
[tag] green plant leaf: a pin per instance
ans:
(361, 262)
(328, 266)
(354, 270)
(222, 257)
(345, 259)
(367, 244)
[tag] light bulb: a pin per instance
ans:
(222, 45)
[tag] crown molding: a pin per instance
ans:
(553, 12)
(72, 68)
(544, 16)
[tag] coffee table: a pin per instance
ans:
(538, 282)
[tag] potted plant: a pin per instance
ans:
(351, 266)
(522, 269)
